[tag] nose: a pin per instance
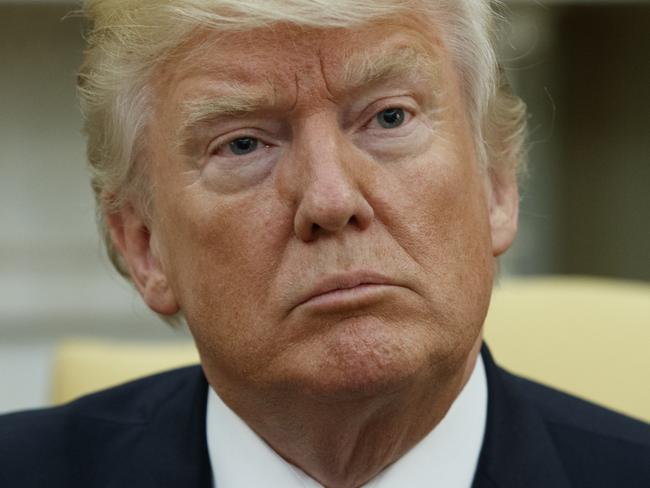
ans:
(329, 187)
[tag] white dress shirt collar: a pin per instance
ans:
(446, 457)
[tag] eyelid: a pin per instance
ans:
(410, 113)
(225, 139)
(404, 102)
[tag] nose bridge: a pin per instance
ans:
(328, 175)
(330, 188)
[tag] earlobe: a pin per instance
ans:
(504, 210)
(159, 296)
(133, 239)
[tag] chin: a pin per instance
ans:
(362, 358)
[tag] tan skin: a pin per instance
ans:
(332, 186)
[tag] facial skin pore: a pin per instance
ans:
(279, 170)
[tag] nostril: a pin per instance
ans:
(315, 217)
(316, 229)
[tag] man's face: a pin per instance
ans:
(286, 163)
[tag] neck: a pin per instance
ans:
(344, 444)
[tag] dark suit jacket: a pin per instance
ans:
(151, 433)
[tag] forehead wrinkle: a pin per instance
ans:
(296, 82)
(328, 89)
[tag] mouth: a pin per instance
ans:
(347, 290)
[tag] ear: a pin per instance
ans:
(504, 209)
(133, 239)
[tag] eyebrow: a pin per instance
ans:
(357, 73)
(234, 101)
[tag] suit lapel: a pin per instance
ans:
(173, 449)
(517, 449)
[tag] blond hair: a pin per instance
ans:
(129, 39)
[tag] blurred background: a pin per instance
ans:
(583, 68)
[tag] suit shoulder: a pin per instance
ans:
(597, 445)
(135, 401)
(96, 426)
(129, 403)
(566, 411)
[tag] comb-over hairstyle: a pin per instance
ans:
(127, 40)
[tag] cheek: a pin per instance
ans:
(442, 206)
(442, 222)
(222, 253)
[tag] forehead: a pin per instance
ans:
(281, 55)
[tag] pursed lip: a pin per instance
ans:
(344, 281)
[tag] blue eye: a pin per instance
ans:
(391, 118)
(243, 145)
